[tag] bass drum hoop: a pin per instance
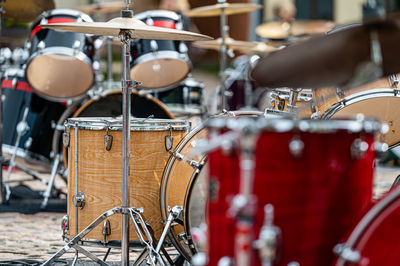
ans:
(91, 100)
(166, 177)
(382, 208)
(359, 97)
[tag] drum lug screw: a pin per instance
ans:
(66, 139)
(41, 46)
(108, 140)
(381, 149)
(106, 230)
(76, 46)
(65, 224)
(79, 200)
(346, 253)
(169, 140)
(296, 147)
(358, 149)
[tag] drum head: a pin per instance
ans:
(59, 76)
(160, 72)
(385, 109)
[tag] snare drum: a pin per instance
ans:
(379, 99)
(318, 179)
(60, 63)
(374, 241)
(159, 63)
(184, 184)
(34, 147)
(185, 99)
(99, 171)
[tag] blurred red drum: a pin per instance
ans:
(375, 239)
(317, 175)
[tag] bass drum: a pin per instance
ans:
(379, 99)
(110, 105)
(374, 241)
(183, 184)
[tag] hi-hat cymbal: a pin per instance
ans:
(215, 10)
(105, 7)
(242, 46)
(25, 10)
(282, 30)
(137, 28)
(336, 59)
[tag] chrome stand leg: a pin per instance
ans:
(74, 242)
(173, 214)
(75, 260)
(51, 182)
(223, 56)
(22, 127)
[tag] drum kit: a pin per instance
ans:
(244, 187)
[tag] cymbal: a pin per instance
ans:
(105, 7)
(335, 59)
(282, 30)
(25, 10)
(137, 28)
(242, 46)
(215, 10)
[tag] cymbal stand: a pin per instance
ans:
(127, 212)
(223, 55)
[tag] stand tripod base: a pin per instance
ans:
(142, 228)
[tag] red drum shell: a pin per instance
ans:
(377, 240)
(317, 197)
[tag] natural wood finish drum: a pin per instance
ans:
(379, 99)
(100, 177)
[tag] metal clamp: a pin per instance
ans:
(296, 147)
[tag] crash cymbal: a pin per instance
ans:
(336, 59)
(242, 46)
(137, 28)
(105, 7)
(282, 30)
(25, 10)
(215, 10)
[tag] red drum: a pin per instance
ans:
(317, 175)
(375, 241)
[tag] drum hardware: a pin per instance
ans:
(49, 188)
(346, 253)
(169, 140)
(244, 205)
(296, 147)
(108, 139)
(268, 242)
(22, 128)
(106, 229)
